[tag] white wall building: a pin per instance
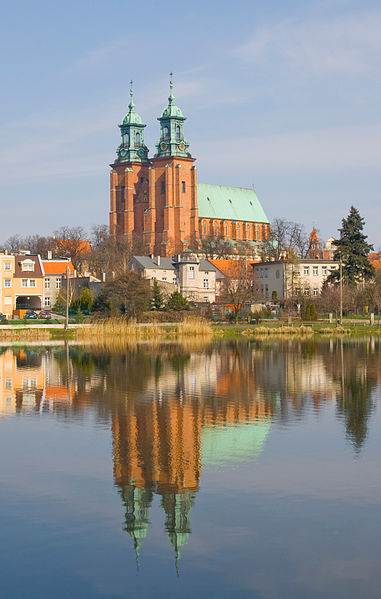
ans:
(292, 278)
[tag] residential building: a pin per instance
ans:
(7, 269)
(286, 279)
(158, 204)
(195, 278)
(54, 277)
(28, 282)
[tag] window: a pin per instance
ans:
(7, 266)
(183, 186)
(164, 278)
(206, 284)
(163, 187)
(315, 270)
(316, 291)
(324, 270)
(307, 270)
(178, 133)
(191, 272)
(24, 282)
(205, 299)
(47, 302)
(28, 266)
(7, 300)
(32, 282)
(237, 229)
(166, 132)
(138, 139)
(7, 282)
(58, 283)
(277, 274)
(8, 383)
(306, 291)
(47, 283)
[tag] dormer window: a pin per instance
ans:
(27, 266)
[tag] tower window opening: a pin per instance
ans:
(138, 139)
(183, 186)
(163, 187)
(178, 133)
(126, 139)
(166, 132)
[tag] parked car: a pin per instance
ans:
(45, 314)
(30, 314)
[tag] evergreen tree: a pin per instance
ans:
(177, 302)
(354, 250)
(157, 302)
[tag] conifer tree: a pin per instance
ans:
(177, 302)
(157, 302)
(353, 249)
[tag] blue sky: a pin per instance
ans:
(282, 95)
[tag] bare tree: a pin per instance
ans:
(286, 238)
(238, 286)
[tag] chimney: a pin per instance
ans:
(103, 277)
(50, 255)
(158, 260)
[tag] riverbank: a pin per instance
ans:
(120, 329)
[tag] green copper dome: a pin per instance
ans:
(132, 118)
(172, 110)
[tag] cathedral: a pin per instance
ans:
(158, 204)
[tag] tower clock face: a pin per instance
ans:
(182, 147)
(163, 146)
(141, 153)
(123, 152)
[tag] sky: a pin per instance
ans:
(282, 95)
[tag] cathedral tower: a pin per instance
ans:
(174, 186)
(129, 178)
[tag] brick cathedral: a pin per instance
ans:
(158, 204)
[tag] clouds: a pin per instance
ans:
(349, 44)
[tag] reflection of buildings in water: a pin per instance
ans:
(163, 436)
(31, 380)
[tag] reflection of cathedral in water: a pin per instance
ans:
(175, 412)
(198, 415)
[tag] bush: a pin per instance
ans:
(310, 313)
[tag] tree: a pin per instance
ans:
(71, 242)
(353, 250)
(177, 302)
(130, 293)
(157, 302)
(101, 304)
(286, 237)
(84, 302)
(238, 286)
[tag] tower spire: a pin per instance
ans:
(171, 99)
(172, 141)
(131, 105)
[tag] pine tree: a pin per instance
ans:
(177, 302)
(157, 302)
(353, 250)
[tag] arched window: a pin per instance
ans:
(204, 228)
(178, 132)
(126, 140)
(138, 139)
(237, 229)
(166, 132)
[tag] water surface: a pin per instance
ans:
(232, 470)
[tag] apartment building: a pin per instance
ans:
(55, 272)
(195, 278)
(286, 279)
(7, 269)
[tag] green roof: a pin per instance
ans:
(229, 203)
(233, 443)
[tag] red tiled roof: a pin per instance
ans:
(57, 267)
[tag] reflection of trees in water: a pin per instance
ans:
(356, 366)
(159, 400)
